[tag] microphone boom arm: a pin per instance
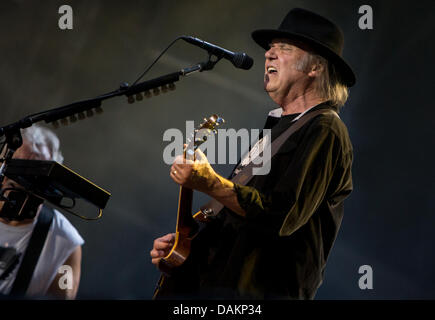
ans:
(166, 82)
(79, 107)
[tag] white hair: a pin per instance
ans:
(43, 142)
(328, 85)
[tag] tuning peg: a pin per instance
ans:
(81, 115)
(64, 121)
(164, 88)
(72, 118)
(130, 99)
(55, 124)
(156, 91)
(139, 96)
(89, 113)
(99, 110)
(147, 94)
(171, 86)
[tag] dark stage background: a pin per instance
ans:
(389, 218)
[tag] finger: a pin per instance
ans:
(200, 156)
(173, 170)
(157, 253)
(174, 177)
(179, 159)
(176, 170)
(182, 162)
(161, 245)
(187, 162)
(182, 168)
(170, 237)
(154, 253)
(176, 166)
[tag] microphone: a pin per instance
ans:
(238, 59)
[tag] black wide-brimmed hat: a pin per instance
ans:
(323, 36)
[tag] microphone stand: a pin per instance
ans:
(164, 83)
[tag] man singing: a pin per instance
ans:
(274, 235)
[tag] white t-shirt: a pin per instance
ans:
(62, 240)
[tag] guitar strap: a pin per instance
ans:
(213, 207)
(32, 253)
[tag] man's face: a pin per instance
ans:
(26, 151)
(281, 73)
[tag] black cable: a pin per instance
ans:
(154, 62)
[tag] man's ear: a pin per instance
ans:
(316, 70)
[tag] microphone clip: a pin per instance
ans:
(212, 60)
(202, 66)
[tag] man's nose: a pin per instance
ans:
(270, 54)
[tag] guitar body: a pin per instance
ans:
(184, 234)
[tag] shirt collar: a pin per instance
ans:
(277, 113)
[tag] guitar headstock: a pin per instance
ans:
(200, 135)
(211, 123)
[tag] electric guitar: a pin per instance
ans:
(187, 226)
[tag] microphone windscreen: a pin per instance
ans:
(243, 61)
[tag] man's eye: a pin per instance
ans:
(280, 47)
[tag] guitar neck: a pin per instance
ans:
(185, 221)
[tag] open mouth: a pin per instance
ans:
(271, 70)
